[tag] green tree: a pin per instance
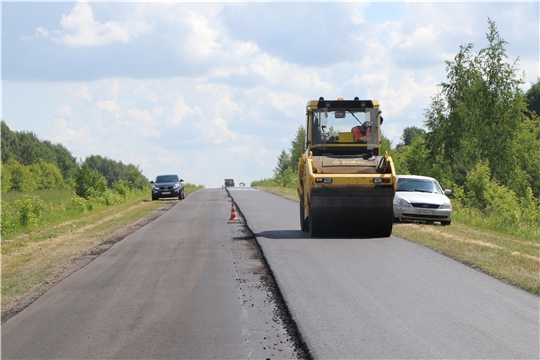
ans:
(528, 150)
(136, 177)
(47, 175)
(9, 143)
(283, 163)
(298, 147)
(409, 134)
(88, 182)
(289, 160)
(477, 112)
(21, 177)
(533, 97)
(65, 161)
(6, 179)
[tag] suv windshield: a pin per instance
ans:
(166, 178)
(345, 126)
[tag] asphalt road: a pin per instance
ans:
(387, 298)
(188, 285)
(193, 285)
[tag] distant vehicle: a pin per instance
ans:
(421, 198)
(229, 182)
(242, 184)
(167, 186)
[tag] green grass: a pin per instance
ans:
(49, 196)
(475, 241)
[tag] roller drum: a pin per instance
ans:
(351, 212)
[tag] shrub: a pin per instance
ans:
(89, 182)
(6, 179)
(22, 213)
(21, 177)
(122, 187)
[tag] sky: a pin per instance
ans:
(215, 90)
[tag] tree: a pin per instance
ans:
(290, 159)
(409, 134)
(10, 143)
(477, 112)
(6, 179)
(47, 175)
(21, 176)
(88, 182)
(283, 163)
(533, 97)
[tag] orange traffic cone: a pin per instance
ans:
(233, 213)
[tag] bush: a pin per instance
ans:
(23, 213)
(122, 187)
(21, 176)
(265, 182)
(6, 179)
(89, 182)
(47, 175)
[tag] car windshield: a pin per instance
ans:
(419, 185)
(345, 126)
(166, 178)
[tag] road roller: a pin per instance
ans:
(345, 185)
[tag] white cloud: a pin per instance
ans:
(80, 29)
(142, 122)
(65, 111)
(108, 105)
(203, 38)
(180, 109)
(69, 133)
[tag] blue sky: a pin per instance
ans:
(215, 90)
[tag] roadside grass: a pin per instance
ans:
(514, 259)
(31, 258)
(54, 197)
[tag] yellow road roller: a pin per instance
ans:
(346, 186)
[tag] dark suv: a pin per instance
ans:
(169, 185)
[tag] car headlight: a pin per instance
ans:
(176, 186)
(446, 205)
(404, 203)
(155, 187)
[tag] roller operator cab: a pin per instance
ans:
(346, 186)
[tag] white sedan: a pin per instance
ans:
(421, 198)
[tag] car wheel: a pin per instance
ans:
(445, 223)
(154, 198)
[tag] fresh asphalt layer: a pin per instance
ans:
(387, 298)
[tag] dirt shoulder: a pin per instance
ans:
(81, 260)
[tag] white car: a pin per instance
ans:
(421, 198)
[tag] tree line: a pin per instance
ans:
(29, 164)
(481, 138)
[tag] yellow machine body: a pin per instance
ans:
(346, 187)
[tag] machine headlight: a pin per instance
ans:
(176, 186)
(155, 187)
(446, 205)
(404, 203)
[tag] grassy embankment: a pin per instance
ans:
(512, 259)
(32, 257)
